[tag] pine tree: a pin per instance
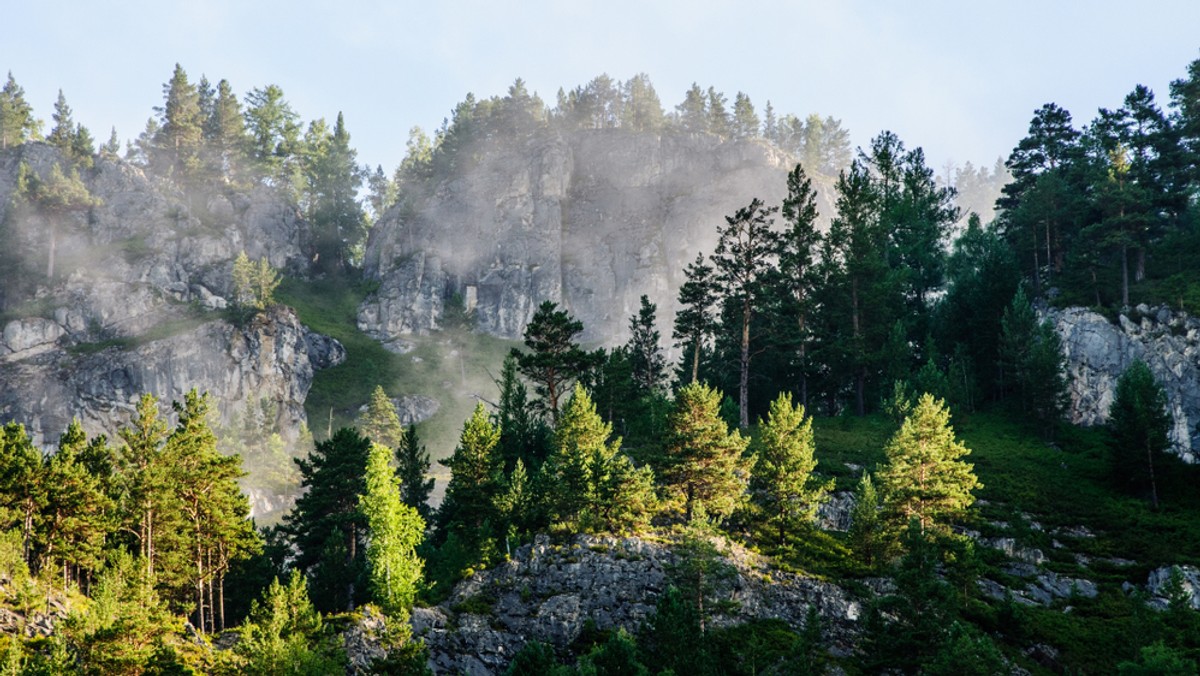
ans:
(745, 252)
(693, 112)
(225, 133)
(924, 478)
(555, 360)
(866, 535)
(412, 461)
(63, 134)
(77, 513)
(1138, 425)
(149, 508)
(745, 120)
(1033, 363)
(181, 134)
(284, 634)
(717, 116)
(395, 530)
(523, 435)
(21, 494)
(782, 481)
(17, 123)
(379, 422)
(706, 469)
(799, 246)
(274, 131)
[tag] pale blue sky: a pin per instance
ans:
(960, 79)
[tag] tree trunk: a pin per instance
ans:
(1140, 272)
(696, 361)
(1124, 275)
(744, 376)
(1153, 483)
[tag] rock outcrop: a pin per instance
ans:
(547, 592)
(589, 219)
(1098, 352)
(102, 304)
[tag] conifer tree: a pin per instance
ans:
(395, 530)
(1032, 361)
(645, 355)
(325, 527)
(799, 246)
(274, 131)
(705, 466)
(284, 634)
(693, 111)
(555, 360)
(225, 133)
(745, 120)
(783, 483)
(181, 134)
(866, 535)
(77, 515)
(745, 252)
(925, 478)
(412, 461)
(149, 508)
(1138, 425)
(331, 181)
(523, 435)
(379, 422)
(21, 496)
(17, 123)
(62, 135)
(694, 323)
(475, 479)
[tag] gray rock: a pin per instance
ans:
(1098, 352)
(834, 513)
(1159, 578)
(590, 219)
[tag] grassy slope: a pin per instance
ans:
(1063, 484)
(456, 369)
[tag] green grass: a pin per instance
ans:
(455, 369)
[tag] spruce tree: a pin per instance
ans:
(694, 323)
(475, 479)
(799, 246)
(645, 355)
(325, 527)
(1138, 425)
(866, 535)
(745, 120)
(17, 123)
(925, 478)
(412, 460)
(62, 135)
(181, 134)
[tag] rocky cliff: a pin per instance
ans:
(1098, 352)
(101, 304)
(591, 219)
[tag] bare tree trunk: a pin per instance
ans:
(744, 376)
(1124, 275)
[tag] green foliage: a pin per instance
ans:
(555, 360)
(1032, 361)
(868, 532)
(326, 527)
(925, 478)
(705, 466)
(284, 634)
(379, 422)
(701, 573)
(1158, 660)
(694, 322)
(254, 284)
(396, 529)
(476, 476)
(673, 638)
(782, 481)
(534, 659)
(412, 469)
(1138, 423)
(17, 123)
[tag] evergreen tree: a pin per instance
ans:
(706, 469)
(782, 482)
(412, 461)
(770, 124)
(692, 112)
(642, 110)
(745, 120)
(1138, 425)
(1032, 360)
(379, 422)
(924, 478)
(645, 355)
(63, 134)
(254, 284)
(225, 133)
(77, 514)
(179, 138)
(523, 435)
(111, 148)
(396, 530)
(284, 634)
(694, 322)
(745, 252)
(719, 123)
(274, 131)
(555, 360)
(325, 526)
(149, 509)
(21, 494)
(330, 196)
(798, 274)
(672, 638)
(17, 123)
(475, 479)
(866, 536)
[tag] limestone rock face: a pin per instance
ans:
(548, 592)
(1098, 352)
(102, 305)
(273, 357)
(590, 219)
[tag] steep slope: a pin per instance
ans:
(591, 219)
(128, 295)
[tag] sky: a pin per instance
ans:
(960, 79)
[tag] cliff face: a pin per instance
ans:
(589, 219)
(105, 303)
(1098, 352)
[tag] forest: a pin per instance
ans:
(804, 360)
